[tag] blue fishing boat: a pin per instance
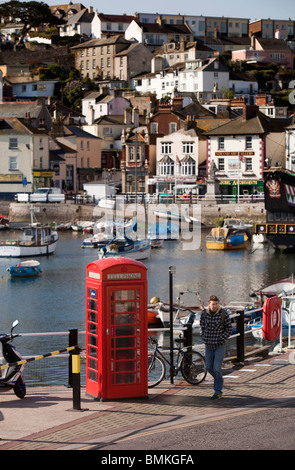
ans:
(26, 268)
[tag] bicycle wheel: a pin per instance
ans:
(156, 370)
(193, 367)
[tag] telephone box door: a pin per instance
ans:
(126, 341)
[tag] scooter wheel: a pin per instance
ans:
(20, 388)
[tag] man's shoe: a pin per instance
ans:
(216, 396)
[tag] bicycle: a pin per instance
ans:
(190, 363)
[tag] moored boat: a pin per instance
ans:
(28, 268)
(222, 238)
(126, 247)
(4, 222)
(37, 240)
(283, 286)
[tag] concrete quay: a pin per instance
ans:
(209, 212)
(45, 419)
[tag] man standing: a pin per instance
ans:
(216, 328)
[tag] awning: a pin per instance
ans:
(188, 186)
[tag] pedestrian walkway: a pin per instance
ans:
(45, 419)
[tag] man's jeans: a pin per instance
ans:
(213, 363)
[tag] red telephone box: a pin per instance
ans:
(116, 329)
(272, 315)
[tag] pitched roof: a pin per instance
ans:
(116, 39)
(115, 18)
(82, 16)
(259, 124)
(18, 109)
(273, 44)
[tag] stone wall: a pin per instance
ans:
(69, 212)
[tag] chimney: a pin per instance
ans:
(177, 103)
(135, 117)
(90, 118)
(250, 111)
(261, 99)
(253, 38)
(127, 116)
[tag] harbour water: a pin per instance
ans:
(55, 301)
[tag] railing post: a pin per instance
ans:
(241, 336)
(73, 341)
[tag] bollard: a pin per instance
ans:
(188, 334)
(73, 341)
(241, 337)
(76, 379)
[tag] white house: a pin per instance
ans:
(33, 88)
(205, 78)
(25, 157)
(79, 23)
(239, 149)
(103, 24)
(178, 156)
(96, 105)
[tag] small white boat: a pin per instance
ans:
(28, 268)
(236, 223)
(37, 240)
(81, 225)
(283, 286)
(155, 243)
(126, 247)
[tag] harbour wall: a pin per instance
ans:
(209, 212)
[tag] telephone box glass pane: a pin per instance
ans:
(125, 332)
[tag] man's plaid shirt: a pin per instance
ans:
(214, 331)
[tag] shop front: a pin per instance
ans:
(240, 187)
(42, 179)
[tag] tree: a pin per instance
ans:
(28, 14)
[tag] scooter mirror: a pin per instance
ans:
(14, 324)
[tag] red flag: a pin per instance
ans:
(178, 161)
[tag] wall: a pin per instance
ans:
(64, 213)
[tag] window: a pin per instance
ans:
(166, 148)
(249, 164)
(13, 144)
(220, 164)
(108, 62)
(166, 168)
(221, 142)
(107, 131)
(172, 127)
(248, 142)
(13, 163)
(131, 154)
(154, 127)
(187, 147)
(188, 168)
